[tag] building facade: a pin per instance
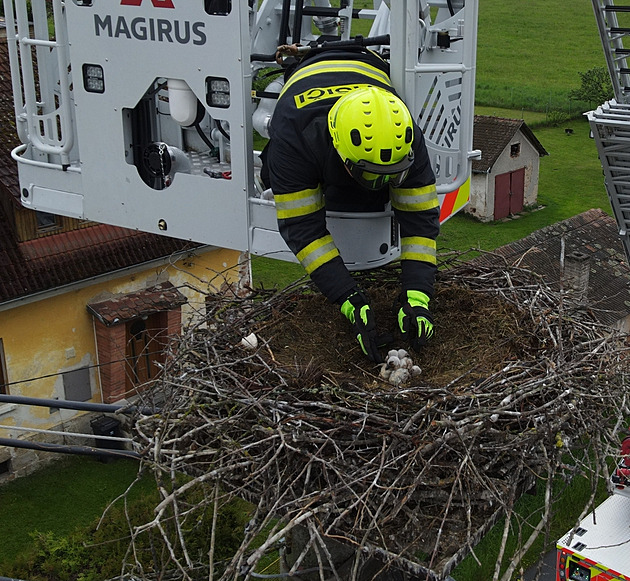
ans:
(504, 180)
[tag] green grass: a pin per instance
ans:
(529, 53)
(564, 515)
(571, 182)
(274, 274)
(532, 118)
(60, 498)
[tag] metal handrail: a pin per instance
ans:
(50, 132)
(16, 154)
(69, 448)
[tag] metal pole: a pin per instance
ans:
(65, 449)
(75, 405)
(65, 434)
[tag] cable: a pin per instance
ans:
(66, 449)
(203, 136)
(61, 373)
(221, 130)
(265, 58)
(69, 404)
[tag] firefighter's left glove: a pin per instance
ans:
(357, 310)
(414, 319)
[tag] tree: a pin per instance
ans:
(596, 87)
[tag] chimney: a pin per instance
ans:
(577, 270)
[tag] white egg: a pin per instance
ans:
(250, 342)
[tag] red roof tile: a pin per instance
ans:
(125, 307)
(491, 135)
(8, 137)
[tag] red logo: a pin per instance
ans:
(156, 3)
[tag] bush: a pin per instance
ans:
(99, 551)
(595, 87)
(556, 118)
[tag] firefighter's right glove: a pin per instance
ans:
(357, 310)
(414, 319)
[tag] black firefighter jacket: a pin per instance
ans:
(307, 176)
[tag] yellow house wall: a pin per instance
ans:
(45, 338)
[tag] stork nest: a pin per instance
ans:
(518, 382)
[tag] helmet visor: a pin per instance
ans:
(374, 176)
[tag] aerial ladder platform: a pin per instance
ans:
(610, 122)
(141, 113)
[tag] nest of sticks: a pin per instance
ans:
(520, 384)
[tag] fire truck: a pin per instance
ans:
(142, 113)
(598, 549)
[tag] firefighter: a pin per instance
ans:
(342, 140)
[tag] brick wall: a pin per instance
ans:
(111, 343)
(173, 322)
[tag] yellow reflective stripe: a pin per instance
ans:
(317, 253)
(462, 196)
(298, 203)
(418, 248)
(414, 199)
(338, 66)
(316, 94)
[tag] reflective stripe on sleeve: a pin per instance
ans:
(418, 248)
(317, 253)
(298, 203)
(414, 199)
(338, 66)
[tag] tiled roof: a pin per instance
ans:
(593, 234)
(491, 135)
(11, 264)
(8, 136)
(125, 307)
(60, 259)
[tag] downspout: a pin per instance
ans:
(98, 362)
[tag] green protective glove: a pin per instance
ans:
(414, 319)
(357, 310)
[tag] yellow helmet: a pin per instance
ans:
(372, 130)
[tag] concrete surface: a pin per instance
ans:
(547, 572)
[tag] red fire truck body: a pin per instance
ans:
(598, 549)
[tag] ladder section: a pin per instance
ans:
(613, 22)
(610, 124)
(41, 76)
(433, 63)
